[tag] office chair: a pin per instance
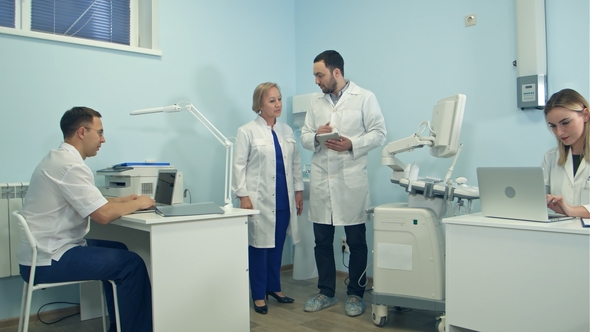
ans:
(29, 287)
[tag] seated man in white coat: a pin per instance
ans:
(61, 197)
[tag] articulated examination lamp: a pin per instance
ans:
(229, 146)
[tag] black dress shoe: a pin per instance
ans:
(261, 310)
(283, 299)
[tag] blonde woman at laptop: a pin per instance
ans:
(268, 177)
(567, 167)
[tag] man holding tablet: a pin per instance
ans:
(341, 127)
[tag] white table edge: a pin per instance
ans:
(476, 219)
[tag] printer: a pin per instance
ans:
(140, 179)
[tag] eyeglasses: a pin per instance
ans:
(99, 132)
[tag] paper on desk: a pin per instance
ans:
(585, 222)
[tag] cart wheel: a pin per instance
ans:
(440, 324)
(379, 315)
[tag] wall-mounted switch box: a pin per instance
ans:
(532, 91)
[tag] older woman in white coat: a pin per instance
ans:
(567, 167)
(268, 177)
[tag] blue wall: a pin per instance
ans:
(214, 55)
(413, 53)
(410, 53)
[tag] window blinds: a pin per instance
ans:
(7, 13)
(102, 20)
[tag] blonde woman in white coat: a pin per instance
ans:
(567, 167)
(268, 177)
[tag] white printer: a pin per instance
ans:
(138, 178)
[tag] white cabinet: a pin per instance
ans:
(510, 275)
(198, 267)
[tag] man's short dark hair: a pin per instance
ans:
(75, 118)
(332, 60)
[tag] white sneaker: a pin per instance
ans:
(355, 306)
(319, 302)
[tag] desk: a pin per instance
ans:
(508, 275)
(198, 267)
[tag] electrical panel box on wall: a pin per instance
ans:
(531, 91)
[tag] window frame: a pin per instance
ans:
(143, 36)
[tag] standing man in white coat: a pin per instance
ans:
(339, 191)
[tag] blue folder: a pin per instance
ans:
(138, 163)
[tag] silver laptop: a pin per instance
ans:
(189, 209)
(164, 189)
(514, 193)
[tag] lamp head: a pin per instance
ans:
(165, 109)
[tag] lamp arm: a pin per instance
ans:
(229, 155)
(229, 145)
(229, 148)
(212, 129)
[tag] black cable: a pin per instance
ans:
(186, 191)
(343, 248)
(346, 280)
(59, 320)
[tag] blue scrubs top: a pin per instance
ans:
(282, 195)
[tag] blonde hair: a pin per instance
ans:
(573, 101)
(259, 95)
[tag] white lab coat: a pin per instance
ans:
(339, 190)
(561, 180)
(254, 173)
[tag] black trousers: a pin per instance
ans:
(324, 257)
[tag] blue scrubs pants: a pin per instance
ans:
(106, 260)
(265, 263)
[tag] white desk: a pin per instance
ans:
(198, 267)
(508, 275)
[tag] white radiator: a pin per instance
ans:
(11, 199)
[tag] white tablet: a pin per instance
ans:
(322, 138)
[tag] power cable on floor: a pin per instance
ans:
(59, 320)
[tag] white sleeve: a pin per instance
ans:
(309, 130)
(374, 127)
(297, 170)
(77, 187)
(241, 154)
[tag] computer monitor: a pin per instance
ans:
(447, 118)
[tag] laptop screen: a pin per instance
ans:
(513, 193)
(165, 186)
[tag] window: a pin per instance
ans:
(104, 20)
(7, 13)
(127, 25)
